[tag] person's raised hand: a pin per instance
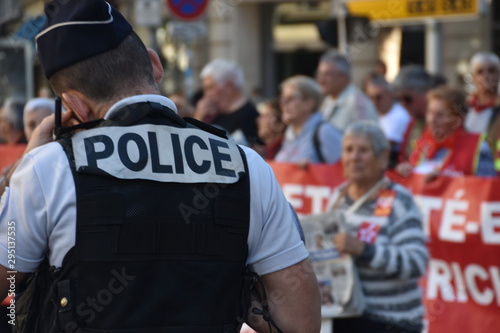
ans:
(43, 133)
(206, 110)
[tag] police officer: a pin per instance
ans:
(147, 221)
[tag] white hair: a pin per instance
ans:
(39, 103)
(372, 130)
(484, 57)
(222, 71)
(339, 60)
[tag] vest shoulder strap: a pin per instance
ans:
(206, 127)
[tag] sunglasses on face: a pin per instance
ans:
(406, 99)
(376, 98)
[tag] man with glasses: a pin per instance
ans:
(485, 102)
(410, 87)
(344, 103)
(393, 118)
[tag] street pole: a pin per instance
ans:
(342, 29)
(340, 12)
(433, 51)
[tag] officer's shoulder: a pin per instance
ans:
(256, 163)
(49, 152)
(251, 154)
(45, 161)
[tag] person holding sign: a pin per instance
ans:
(382, 230)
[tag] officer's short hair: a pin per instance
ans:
(372, 131)
(307, 87)
(106, 75)
(340, 61)
(13, 112)
(412, 77)
(222, 71)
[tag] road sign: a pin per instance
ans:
(187, 10)
(187, 31)
(148, 13)
(386, 10)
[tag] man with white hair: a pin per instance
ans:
(344, 103)
(393, 118)
(485, 101)
(224, 103)
(11, 121)
(34, 112)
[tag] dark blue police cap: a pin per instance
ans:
(77, 30)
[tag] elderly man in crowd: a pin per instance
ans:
(393, 118)
(344, 103)
(411, 86)
(484, 101)
(224, 103)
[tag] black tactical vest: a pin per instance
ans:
(152, 256)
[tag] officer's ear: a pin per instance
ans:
(80, 105)
(157, 67)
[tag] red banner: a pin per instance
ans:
(9, 154)
(462, 220)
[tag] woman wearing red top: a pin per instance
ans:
(445, 147)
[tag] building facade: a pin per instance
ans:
(274, 39)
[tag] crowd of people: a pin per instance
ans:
(423, 117)
(415, 124)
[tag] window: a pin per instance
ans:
(16, 71)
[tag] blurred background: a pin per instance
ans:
(273, 39)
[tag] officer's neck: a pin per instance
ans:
(100, 109)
